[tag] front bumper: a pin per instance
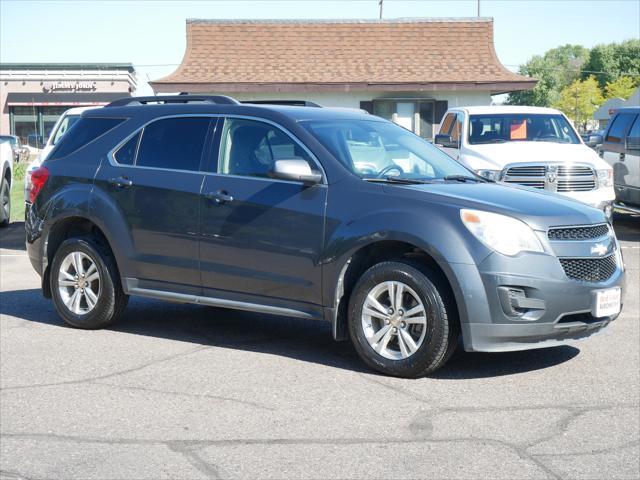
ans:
(601, 198)
(562, 307)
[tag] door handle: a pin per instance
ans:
(622, 156)
(219, 197)
(120, 182)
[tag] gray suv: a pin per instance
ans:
(317, 213)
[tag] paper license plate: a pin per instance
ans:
(607, 302)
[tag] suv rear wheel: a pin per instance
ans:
(85, 285)
(5, 203)
(399, 321)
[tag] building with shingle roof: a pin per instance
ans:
(408, 70)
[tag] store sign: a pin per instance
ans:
(72, 86)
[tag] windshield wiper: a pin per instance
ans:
(462, 178)
(399, 180)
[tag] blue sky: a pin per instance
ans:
(151, 33)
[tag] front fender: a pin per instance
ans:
(437, 232)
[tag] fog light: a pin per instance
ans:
(515, 303)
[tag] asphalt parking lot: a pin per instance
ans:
(189, 392)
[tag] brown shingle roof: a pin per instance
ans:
(290, 55)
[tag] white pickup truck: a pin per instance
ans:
(531, 146)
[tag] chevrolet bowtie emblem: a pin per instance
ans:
(599, 249)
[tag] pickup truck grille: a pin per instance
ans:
(585, 232)
(589, 269)
(553, 177)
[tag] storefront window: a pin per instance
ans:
(34, 124)
(403, 112)
(25, 123)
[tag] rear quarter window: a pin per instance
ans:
(85, 131)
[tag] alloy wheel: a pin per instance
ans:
(394, 320)
(79, 283)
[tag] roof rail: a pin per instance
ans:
(293, 103)
(218, 99)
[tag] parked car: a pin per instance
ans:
(64, 123)
(530, 146)
(592, 138)
(20, 152)
(314, 213)
(621, 149)
(6, 162)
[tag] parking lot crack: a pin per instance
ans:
(186, 394)
(108, 375)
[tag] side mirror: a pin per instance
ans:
(445, 141)
(295, 170)
(594, 140)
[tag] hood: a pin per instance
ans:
(498, 155)
(540, 210)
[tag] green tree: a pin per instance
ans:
(554, 70)
(614, 60)
(622, 87)
(579, 100)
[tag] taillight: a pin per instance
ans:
(39, 178)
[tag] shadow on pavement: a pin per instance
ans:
(12, 237)
(304, 340)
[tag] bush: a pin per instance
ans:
(18, 171)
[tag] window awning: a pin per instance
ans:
(68, 99)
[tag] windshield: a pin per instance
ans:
(517, 127)
(66, 123)
(376, 149)
(7, 138)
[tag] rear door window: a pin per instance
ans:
(85, 131)
(619, 127)
(173, 143)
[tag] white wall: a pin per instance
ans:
(353, 99)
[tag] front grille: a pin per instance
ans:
(528, 183)
(574, 170)
(527, 171)
(553, 177)
(575, 185)
(589, 269)
(578, 233)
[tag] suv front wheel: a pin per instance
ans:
(85, 285)
(399, 321)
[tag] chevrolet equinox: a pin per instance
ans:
(317, 213)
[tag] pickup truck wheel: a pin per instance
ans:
(399, 322)
(5, 203)
(85, 285)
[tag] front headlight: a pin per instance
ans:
(506, 235)
(605, 177)
(493, 175)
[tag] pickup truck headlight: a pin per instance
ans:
(493, 175)
(605, 177)
(506, 235)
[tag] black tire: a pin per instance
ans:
(442, 329)
(5, 203)
(111, 300)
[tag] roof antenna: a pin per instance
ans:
(381, 2)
